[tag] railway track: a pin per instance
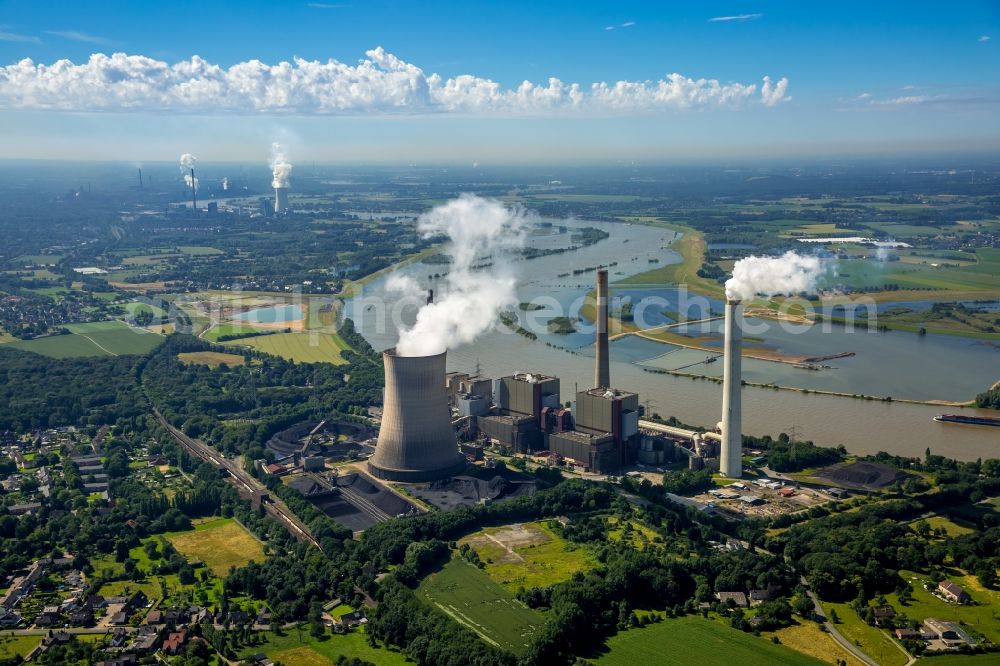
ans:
(245, 484)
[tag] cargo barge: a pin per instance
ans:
(972, 420)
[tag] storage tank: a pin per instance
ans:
(416, 441)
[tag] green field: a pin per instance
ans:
(38, 259)
(695, 640)
(210, 358)
(104, 338)
(982, 617)
(472, 598)
(219, 330)
(11, 646)
(528, 555)
(298, 648)
(301, 347)
(199, 250)
(221, 543)
(872, 641)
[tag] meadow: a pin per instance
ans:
(528, 555)
(809, 639)
(692, 639)
(11, 645)
(211, 359)
(981, 617)
(300, 347)
(872, 641)
(469, 596)
(297, 648)
(221, 543)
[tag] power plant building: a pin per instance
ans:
(522, 400)
(416, 441)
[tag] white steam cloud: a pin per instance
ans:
(790, 273)
(281, 169)
(380, 83)
(469, 303)
(187, 163)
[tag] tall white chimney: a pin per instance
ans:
(730, 462)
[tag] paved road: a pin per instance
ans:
(71, 630)
(837, 636)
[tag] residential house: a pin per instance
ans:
(953, 592)
(769, 593)
(123, 660)
(144, 643)
(738, 598)
(155, 617)
(907, 634)
(175, 642)
(349, 621)
(883, 615)
(49, 617)
(264, 617)
(9, 619)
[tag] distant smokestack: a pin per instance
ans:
(280, 199)
(140, 179)
(430, 296)
(194, 190)
(416, 441)
(730, 463)
(602, 369)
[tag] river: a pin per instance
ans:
(897, 364)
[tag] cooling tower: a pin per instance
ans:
(280, 199)
(730, 462)
(416, 441)
(602, 371)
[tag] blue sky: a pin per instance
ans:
(862, 78)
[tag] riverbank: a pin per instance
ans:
(805, 391)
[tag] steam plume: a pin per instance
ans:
(281, 169)
(788, 274)
(471, 299)
(187, 163)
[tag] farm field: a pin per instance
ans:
(220, 543)
(104, 338)
(675, 642)
(299, 347)
(470, 597)
(210, 358)
(295, 648)
(528, 555)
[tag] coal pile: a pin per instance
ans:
(459, 491)
(289, 441)
(863, 475)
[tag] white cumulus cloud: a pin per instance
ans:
(381, 83)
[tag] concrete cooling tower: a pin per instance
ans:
(280, 199)
(416, 441)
